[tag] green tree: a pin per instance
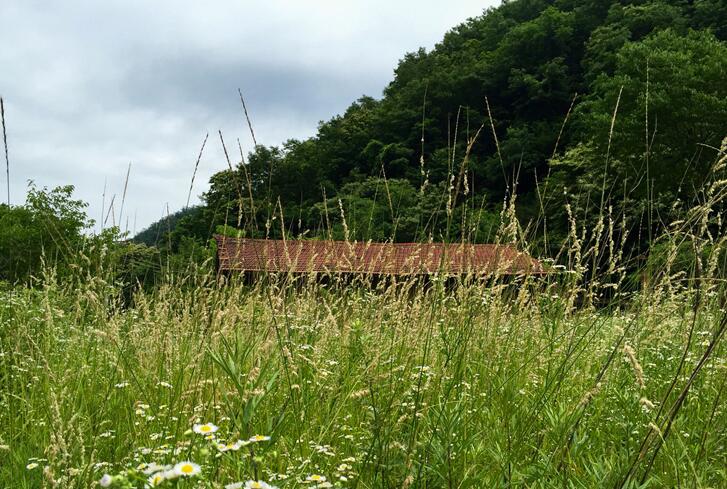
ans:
(49, 227)
(672, 108)
(528, 59)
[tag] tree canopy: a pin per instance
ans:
(616, 103)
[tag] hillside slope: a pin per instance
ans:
(553, 74)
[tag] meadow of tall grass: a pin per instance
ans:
(208, 382)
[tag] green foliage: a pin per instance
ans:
(373, 209)
(529, 58)
(477, 386)
(681, 78)
(135, 265)
(48, 228)
(682, 260)
(670, 106)
(167, 232)
(51, 232)
(712, 15)
(191, 253)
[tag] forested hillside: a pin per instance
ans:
(607, 107)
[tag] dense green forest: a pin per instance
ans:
(605, 106)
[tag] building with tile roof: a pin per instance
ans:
(310, 256)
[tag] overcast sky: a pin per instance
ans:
(90, 86)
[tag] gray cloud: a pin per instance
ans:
(92, 86)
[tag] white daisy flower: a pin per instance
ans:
(204, 429)
(258, 485)
(187, 469)
(257, 438)
(156, 479)
(225, 447)
(31, 466)
(315, 478)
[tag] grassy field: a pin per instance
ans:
(481, 385)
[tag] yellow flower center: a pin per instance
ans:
(315, 477)
(205, 428)
(187, 469)
(256, 485)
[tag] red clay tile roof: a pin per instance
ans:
(243, 254)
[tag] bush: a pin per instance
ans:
(48, 228)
